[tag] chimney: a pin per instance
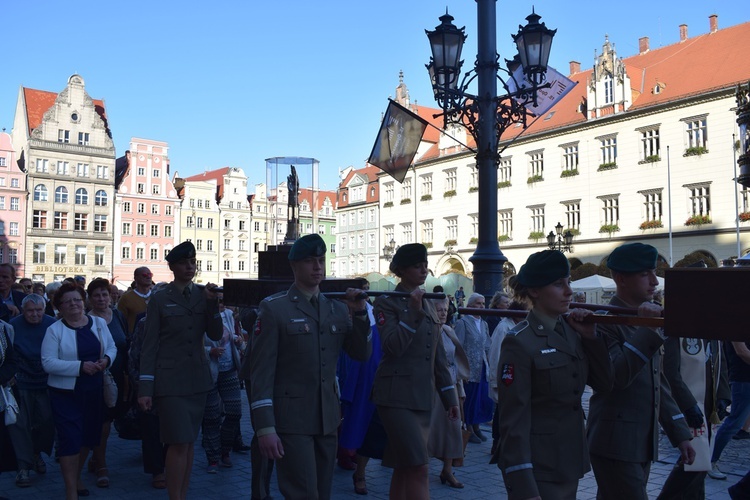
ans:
(683, 32)
(575, 67)
(713, 23)
(643, 45)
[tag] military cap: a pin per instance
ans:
(542, 268)
(632, 258)
(310, 245)
(408, 255)
(184, 250)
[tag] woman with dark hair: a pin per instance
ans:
(545, 363)
(100, 303)
(75, 351)
(412, 368)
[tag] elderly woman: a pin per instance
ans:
(545, 363)
(99, 300)
(413, 367)
(445, 441)
(75, 351)
(473, 334)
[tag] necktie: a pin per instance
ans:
(560, 330)
(186, 293)
(314, 302)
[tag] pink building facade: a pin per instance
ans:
(146, 209)
(12, 206)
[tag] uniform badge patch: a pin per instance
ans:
(381, 319)
(256, 330)
(507, 374)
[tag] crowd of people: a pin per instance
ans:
(404, 379)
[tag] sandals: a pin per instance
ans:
(102, 477)
(360, 485)
(159, 481)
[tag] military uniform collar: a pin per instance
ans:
(547, 322)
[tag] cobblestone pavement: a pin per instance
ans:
(481, 479)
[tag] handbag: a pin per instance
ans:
(108, 381)
(110, 389)
(8, 405)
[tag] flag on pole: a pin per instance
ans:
(546, 98)
(398, 140)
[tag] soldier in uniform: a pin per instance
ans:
(294, 398)
(545, 363)
(174, 370)
(623, 429)
(413, 367)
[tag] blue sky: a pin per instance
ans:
(230, 82)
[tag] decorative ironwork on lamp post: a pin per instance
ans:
(486, 115)
(743, 120)
(556, 240)
(389, 250)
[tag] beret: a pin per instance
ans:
(310, 245)
(184, 250)
(542, 268)
(633, 258)
(408, 255)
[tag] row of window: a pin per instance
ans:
(358, 241)
(63, 136)
(80, 221)
(140, 253)
(60, 254)
(141, 208)
(63, 168)
(14, 181)
(61, 195)
(358, 217)
(15, 203)
(140, 230)
(699, 211)
(696, 142)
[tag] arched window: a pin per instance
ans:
(40, 192)
(82, 197)
(100, 200)
(61, 195)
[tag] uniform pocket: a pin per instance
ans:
(550, 375)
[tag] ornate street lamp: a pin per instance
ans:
(486, 115)
(389, 250)
(743, 120)
(558, 241)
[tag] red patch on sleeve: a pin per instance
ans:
(381, 318)
(256, 330)
(507, 374)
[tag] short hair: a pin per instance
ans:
(34, 299)
(437, 289)
(39, 285)
(51, 287)
(10, 267)
(65, 288)
(96, 284)
(497, 298)
(139, 270)
(26, 279)
(473, 298)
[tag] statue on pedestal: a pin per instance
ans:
(292, 219)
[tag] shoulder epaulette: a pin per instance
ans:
(277, 296)
(518, 328)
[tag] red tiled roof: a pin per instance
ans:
(697, 65)
(39, 101)
(371, 172)
(212, 175)
(306, 194)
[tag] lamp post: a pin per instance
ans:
(389, 250)
(743, 120)
(486, 115)
(558, 241)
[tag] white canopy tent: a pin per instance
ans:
(598, 289)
